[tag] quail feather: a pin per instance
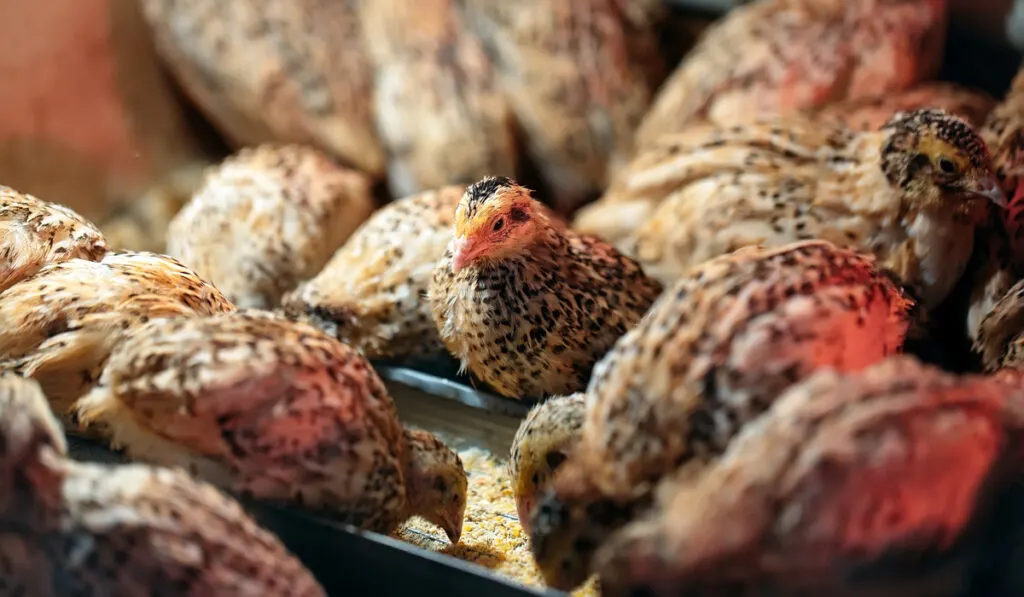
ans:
(60, 325)
(911, 193)
(900, 479)
(264, 406)
(267, 218)
(34, 233)
(70, 528)
(712, 354)
(774, 57)
(526, 304)
(372, 293)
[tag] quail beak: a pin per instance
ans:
(988, 187)
(451, 522)
(462, 253)
(524, 506)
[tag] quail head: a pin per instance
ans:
(540, 446)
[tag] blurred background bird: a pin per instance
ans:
(73, 528)
(60, 325)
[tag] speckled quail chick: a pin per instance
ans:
(881, 482)
(911, 194)
(540, 446)
(289, 71)
(871, 113)
(441, 112)
(34, 233)
(268, 218)
(711, 355)
(779, 56)
(122, 531)
(580, 75)
(60, 325)
(527, 305)
(372, 293)
(264, 406)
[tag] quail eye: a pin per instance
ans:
(947, 166)
(554, 459)
(440, 485)
(499, 224)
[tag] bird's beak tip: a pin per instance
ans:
(988, 187)
(460, 254)
(454, 532)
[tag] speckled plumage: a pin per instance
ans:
(579, 74)
(372, 293)
(441, 113)
(34, 233)
(871, 113)
(1000, 337)
(60, 325)
(1003, 131)
(909, 193)
(779, 56)
(867, 484)
(990, 273)
(542, 442)
(276, 409)
(68, 528)
(712, 354)
(290, 71)
(538, 304)
(266, 219)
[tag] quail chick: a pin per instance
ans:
(289, 71)
(276, 409)
(441, 113)
(371, 294)
(869, 114)
(712, 354)
(60, 325)
(1003, 131)
(579, 74)
(122, 531)
(540, 446)
(34, 233)
(880, 482)
(780, 56)
(526, 305)
(268, 218)
(911, 194)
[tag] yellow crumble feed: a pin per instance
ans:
(491, 535)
